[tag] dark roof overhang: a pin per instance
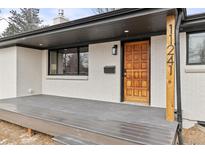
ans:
(98, 28)
(193, 23)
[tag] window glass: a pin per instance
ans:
(196, 48)
(69, 61)
(83, 63)
(60, 63)
(53, 62)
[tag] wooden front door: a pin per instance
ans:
(136, 71)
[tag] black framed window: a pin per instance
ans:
(68, 61)
(196, 48)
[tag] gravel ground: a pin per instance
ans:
(194, 135)
(13, 134)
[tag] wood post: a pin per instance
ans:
(30, 132)
(170, 68)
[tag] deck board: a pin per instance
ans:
(134, 124)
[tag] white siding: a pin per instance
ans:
(158, 71)
(8, 72)
(97, 85)
(192, 81)
(29, 71)
(193, 89)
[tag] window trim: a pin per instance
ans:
(78, 56)
(187, 50)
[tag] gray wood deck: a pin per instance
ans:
(94, 122)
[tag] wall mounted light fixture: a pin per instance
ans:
(114, 50)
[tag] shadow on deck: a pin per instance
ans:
(80, 121)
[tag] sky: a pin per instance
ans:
(47, 14)
(191, 11)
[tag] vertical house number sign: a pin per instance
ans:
(170, 67)
(170, 51)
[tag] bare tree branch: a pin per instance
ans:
(103, 10)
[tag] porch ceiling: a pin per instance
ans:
(109, 26)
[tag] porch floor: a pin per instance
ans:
(89, 121)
